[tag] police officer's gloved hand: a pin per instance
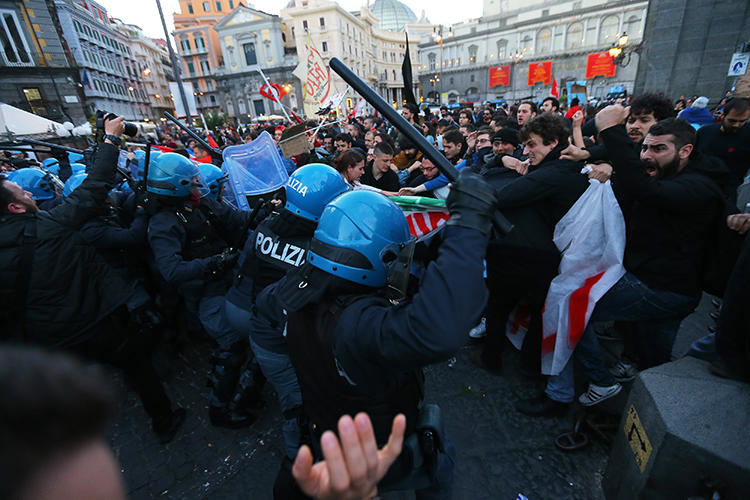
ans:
(147, 316)
(471, 202)
(223, 261)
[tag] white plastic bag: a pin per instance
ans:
(591, 237)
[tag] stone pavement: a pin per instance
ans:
(501, 452)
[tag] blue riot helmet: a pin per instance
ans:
(73, 182)
(172, 175)
(213, 178)
(35, 181)
(311, 187)
(51, 165)
(74, 157)
(363, 237)
(77, 168)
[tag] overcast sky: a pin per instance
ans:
(145, 14)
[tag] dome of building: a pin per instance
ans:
(392, 14)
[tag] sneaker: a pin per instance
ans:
(542, 406)
(623, 371)
(479, 331)
(596, 394)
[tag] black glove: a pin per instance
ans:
(147, 316)
(222, 262)
(471, 202)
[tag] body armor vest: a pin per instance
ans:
(326, 392)
(202, 238)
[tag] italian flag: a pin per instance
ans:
(425, 216)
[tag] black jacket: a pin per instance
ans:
(537, 201)
(69, 285)
(669, 221)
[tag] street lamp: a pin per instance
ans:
(620, 52)
(435, 80)
(516, 58)
(439, 37)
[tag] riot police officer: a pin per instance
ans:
(191, 238)
(40, 184)
(354, 349)
(279, 243)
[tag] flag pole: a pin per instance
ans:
(274, 93)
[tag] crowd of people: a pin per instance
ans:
(313, 291)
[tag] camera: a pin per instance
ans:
(101, 116)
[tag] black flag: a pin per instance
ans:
(406, 73)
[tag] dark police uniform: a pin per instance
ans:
(354, 350)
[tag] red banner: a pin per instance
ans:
(540, 72)
(266, 91)
(599, 64)
(499, 75)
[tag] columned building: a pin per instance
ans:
(109, 71)
(37, 73)
(252, 40)
(371, 41)
(564, 40)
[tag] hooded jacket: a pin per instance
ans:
(69, 286)
(669, 221)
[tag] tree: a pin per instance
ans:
(215, 119)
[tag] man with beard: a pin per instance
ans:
(671, 200)
(729, 139)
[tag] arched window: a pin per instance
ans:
(502, 49)
(527, 44)
(433, 61)
(394, 75)
(608, 30)
(473, 53)
(574, 37)
(632, 25)
(544, 40)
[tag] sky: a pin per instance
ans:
(144, 13)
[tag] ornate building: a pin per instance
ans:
(250, 40)
(373, 47)
(490, 57)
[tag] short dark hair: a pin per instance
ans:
(347, 159)
(555, 102)
(469, 127)
(657, 104)
(738, 104)
(682, 131)
(466, 112)
(485, 131)
(548, 126)
(532, 106)
(384, 138)
(51, 403)
(454, 136)
(383, 148)
(6, 197)
(412, 107)
(575, 102)
(344, 137)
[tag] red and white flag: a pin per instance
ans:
(591, 237)
(425, 216)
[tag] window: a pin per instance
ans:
(218, 6)
(77, 26)
(231, 4)
(185, 44)
(527, 44)
(304, 25)
(632, 25)
(322, 22)
(249, 50)
(87, 30)
(472, 78)
(450, 80)
(325, 46)
(574, 37)
(190, 8)
(206, 6)
(433, 61)
(199, 43)
(544, 40)
(213, 99)
(394, 74)
(191, 68)
(209, 85)
(205, 68)
(33, 99)
(473, 53)
(608, 30)
(502, 49)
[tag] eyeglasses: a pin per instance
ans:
(483, 141)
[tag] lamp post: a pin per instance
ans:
(439, 37)
(516, 58)
(620, 52)
(434, 81)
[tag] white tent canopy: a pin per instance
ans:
(20, 123)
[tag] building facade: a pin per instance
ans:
(197, 44)
(358, 40)
(251, 40)
(154, 67)
(37, 73)
(690, 49)
(108, 68)
(557, 37)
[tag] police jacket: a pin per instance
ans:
(670, 221)
(363, 353)
(279, 243)
(55, 281)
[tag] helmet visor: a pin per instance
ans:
(397, 262)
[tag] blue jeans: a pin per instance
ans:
(658, 314)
